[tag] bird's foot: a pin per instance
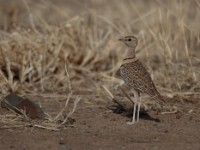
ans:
(131, 123)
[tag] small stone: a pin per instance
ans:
(61, 142)
(166, 131)
(178, 116)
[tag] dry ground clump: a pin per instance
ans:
(64, 47)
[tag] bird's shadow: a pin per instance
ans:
(128, 112)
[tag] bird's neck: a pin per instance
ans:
(130, 53)
(130, 56)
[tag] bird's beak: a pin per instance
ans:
(121, 39)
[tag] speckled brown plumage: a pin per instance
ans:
(136, 76)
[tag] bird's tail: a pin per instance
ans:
(159, 97)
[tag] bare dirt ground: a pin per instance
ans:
(100, 128)
(57, 52)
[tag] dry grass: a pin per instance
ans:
(50, 122)
(41, 40)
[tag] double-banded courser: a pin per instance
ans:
(136, 76)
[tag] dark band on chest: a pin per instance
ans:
(129, 58)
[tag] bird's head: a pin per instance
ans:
(130, 41)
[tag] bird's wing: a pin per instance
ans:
(136, 76)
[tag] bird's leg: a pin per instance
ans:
(138, 109)
(133, 118)
(135, 101)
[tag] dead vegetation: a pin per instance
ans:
(64, 48)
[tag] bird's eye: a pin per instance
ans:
(129, 39)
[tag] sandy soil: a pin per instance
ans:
(98, 127)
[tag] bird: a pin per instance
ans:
(136, 77)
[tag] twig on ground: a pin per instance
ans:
(78, 98)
